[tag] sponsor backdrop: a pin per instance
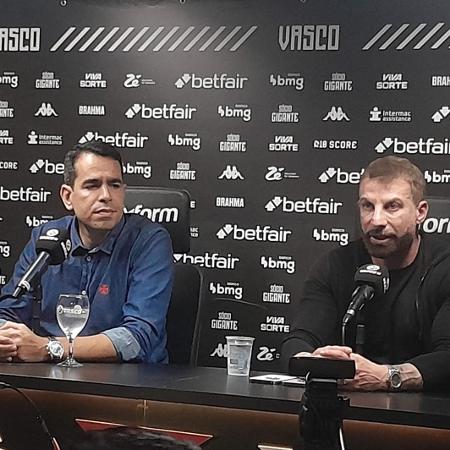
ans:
(266, 111)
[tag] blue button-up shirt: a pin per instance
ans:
(128, 279)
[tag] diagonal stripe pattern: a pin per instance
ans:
(220, 38)
(429, 36)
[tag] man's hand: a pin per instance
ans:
(18, 342)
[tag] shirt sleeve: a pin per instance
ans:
(147, 302)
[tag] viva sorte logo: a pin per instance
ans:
(421, 146)
(163, 112)
(215, 81)
(259, 233)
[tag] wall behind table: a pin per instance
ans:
(276, 111)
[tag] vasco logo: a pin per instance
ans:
(33, 221)
(6, 138)
(335, 235)
(230, 289)
(135, 80)
(338, 83)
(216, 81)
(422, 146)
(46, 110)
(163, 112)
(340, 176)
(9, 165)
(283, 144)
(433, 176)
(119, 139)
(335, 144)
(5, 110)
(259, 233)
(24, 194)
(276, 294)
(238, 112)
(47, 81)
(278, 173)
(231, 173)
(142, 168)
(308, 37)
(336, 114)
(91, 110)
(208, 260)
(307, 206)
(48, 166)
(224, 321)
(10, 79)
(93, 80)
(267, 354)
(5, 249)
(20, 39)
(44, 139)
(285, 114)
(183, 172)
(233, 144)
(230, 202)
(440, 114)
(391, 81)
(160, 215)
(285, 263)
(290, 80)
(191, 140)
(377, 115)
(275, 324)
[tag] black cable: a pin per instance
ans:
(40, 420)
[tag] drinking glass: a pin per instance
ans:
(72, 312)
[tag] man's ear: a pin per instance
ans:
(65, 192)
(421, 211)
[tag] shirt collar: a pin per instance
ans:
(78, 249)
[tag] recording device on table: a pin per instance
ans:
(52, 248)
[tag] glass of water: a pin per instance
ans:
(72, 312)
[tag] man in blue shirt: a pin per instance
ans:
(122, 262)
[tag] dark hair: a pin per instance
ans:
(126, 438)
(99, 148)
(392, 167)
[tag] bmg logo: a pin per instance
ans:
(238, 112)
(291, 80)
(335, 235)
(5, 249)
(188, 140)
(285, 263)
(231, 289)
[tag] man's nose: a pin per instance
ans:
(105, 194)
(379, 217)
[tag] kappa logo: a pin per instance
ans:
(238, 112)
(48, 167)
(334, 235)
(419, 37)
(440, 114)
(159, 215)
(119, 139)
(336, 114)
(422, 146)
(46, 110)
(164, 112)
(111, 39)
(9, 79)
(191, 140)
(259, 233)
(216, 81)
(308, 37)
(290, 80)
(136, 80)
(231, 173)
(221, 351)
(278, 173)
(340, 176)
(307, 206)
(285, 263)
(20, 39)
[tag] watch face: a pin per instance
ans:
(396, 380)
(56, 349)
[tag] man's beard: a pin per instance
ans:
(396, 246)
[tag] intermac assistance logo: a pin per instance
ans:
(215, 81)
(421, 146)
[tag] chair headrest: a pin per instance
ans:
(169, 207)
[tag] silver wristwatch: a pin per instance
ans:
(55, 349)
(394, 378)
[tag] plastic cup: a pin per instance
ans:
(239, 355)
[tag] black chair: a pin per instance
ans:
(171, 208)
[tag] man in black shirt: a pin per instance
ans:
(407, 329)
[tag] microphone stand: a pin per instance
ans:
(360, 331)
(37, 309)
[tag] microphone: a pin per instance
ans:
(371, 280)
(52, 248)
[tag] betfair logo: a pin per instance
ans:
(216, 81)
(259, 233)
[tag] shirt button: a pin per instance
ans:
(83, 292)
(88, 258)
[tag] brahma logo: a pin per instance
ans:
(259, 233)
(421, 146)
(216, 81)
(159, 215)
(20, 39)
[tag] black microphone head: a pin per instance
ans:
(56, 242)
(373, 275)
